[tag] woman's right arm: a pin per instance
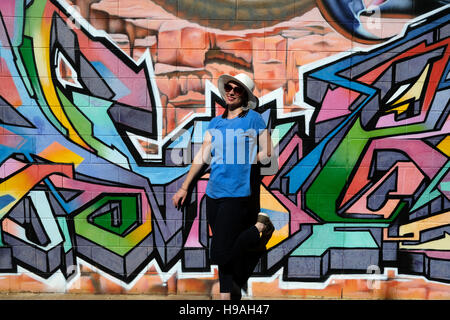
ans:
(201, 158)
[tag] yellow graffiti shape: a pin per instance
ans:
(401, 104)
(60, 154)
(416, 227)
(41, 42)
(444, 146)
(437, 244)
(269, 202)
(19, 184)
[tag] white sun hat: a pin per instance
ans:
(246, 82)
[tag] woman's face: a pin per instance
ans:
(234, 94)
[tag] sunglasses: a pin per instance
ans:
(237, 90)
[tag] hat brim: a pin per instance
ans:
(253, 101)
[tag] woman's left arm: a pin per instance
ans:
(265, 148)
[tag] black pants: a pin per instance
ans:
(234, 235)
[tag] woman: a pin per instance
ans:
(231, 147)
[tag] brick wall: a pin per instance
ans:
(104, 103)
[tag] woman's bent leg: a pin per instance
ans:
(234, 234)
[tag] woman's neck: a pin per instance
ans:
(234, 113)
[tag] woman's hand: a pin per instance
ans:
(201, 158)
(179, 197)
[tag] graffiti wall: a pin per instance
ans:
(104, 103)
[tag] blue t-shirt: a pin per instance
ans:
(234, 147)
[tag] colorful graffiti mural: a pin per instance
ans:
(101, 115)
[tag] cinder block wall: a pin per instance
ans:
(104, 103)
